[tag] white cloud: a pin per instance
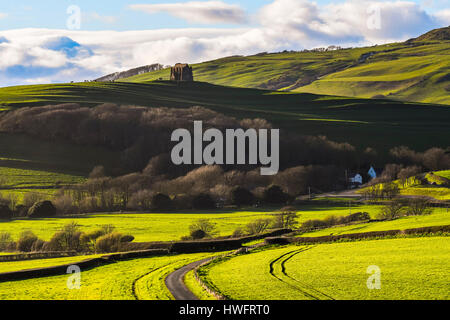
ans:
(114, 51)
(282, 24)
(207, 12)
(443, 17)
(346, 22)
(43, 80)
(46, 58)
(11, 55)
(3, 15)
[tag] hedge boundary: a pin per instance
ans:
(205, 285)
(38, 255)
(133, 250)
(200, 281)
(357, 236)
(274, 233)
(210, 245)
(84, 264)
(218, 244)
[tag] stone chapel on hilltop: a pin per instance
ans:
(181, 72)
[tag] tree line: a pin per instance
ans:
(148, 180)
(141, 133)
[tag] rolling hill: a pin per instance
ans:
(130, 73)
(296, 91)
(381, 124)
(416, 70)
(436, 34)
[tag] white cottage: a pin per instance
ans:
(372, 173)
(357, 179)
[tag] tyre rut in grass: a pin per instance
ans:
(142, 287)
(277, 269)
(134, 285)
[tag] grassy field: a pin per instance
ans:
(45, 183)
(409, 73)
(196, 288)
(383, 123)
(124, 280)
(32, 165)
(27, 179)
(398, 71)
(44, 194)
(444, 174)
(340, 94)
(41, 263)
(415, 268)
(440, 217)
(278, 70)
(172, 226)
(152, 286)
(19, 152)
(163, 226)
(434, 189)
(427, 191)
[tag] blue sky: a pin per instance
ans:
(36, 45)
(52, 13)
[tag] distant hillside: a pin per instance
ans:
(130, 73)
(434, 35)
(415, 71)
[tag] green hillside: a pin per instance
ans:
(436, 34)
(410, 269)
(23, 152)
(409, 74)
(433, 185)
(286, 70)
(32, 165)
(411, 71)
(380, 124)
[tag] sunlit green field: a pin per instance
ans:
(152, 286)
(10, 266)
(20, 181)
(444, 174)
(431, 191)
(124, 280)
(23, 178)
(438, 177)
(193, 285)
(434, 188)
(44, 194)
(440, 217)
(411, 268)
(163, 226)
(46, 183)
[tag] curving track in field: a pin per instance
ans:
(169, 281)
(143, 278)
(175, 281)
(277, 269)
(144, 289)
